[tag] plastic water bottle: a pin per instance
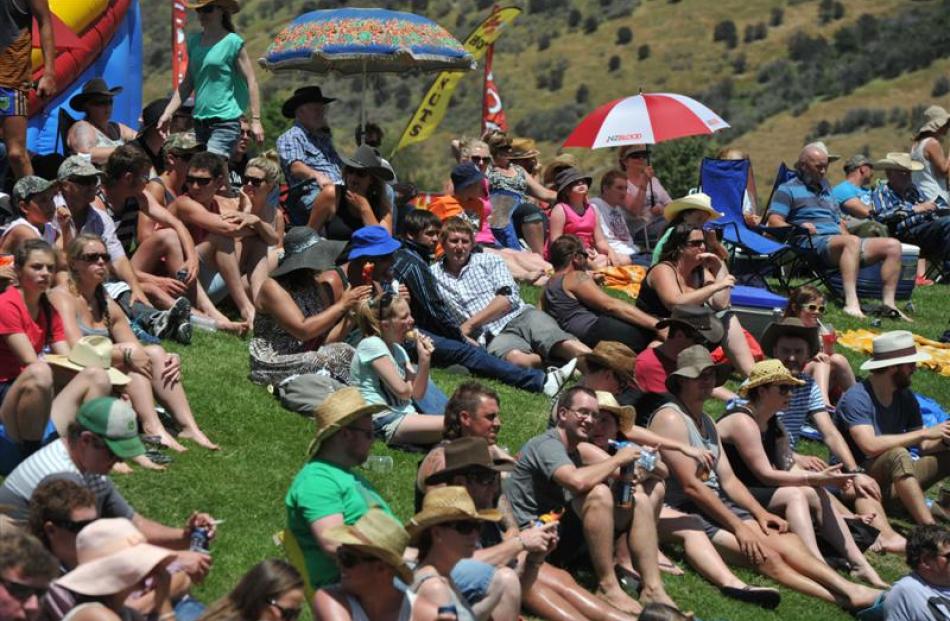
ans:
(204, 323)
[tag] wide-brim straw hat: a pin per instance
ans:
(899, 161)
(935, 117)
(113, 556)
(523, 149)
(698, 201)
(790, 326)
(339, 410)
(304, 249)
(559, 163)
(893, 348)
(447, 504)
(767, 372)
(379, 534)
(464, 455)
(612, 355)
(231, 6)
(698, 318)
(90, 352)
(626, 414)
(95, 87)
(692, 362)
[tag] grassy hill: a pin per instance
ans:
(793, 64)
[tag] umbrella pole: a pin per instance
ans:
(363, 108)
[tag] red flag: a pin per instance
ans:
(493, 113)
(179, 49)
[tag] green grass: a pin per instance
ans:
(264, 446)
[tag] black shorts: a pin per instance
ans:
(571, 543)
(710, 527)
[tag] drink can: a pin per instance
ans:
(200, 539)
(182, 275)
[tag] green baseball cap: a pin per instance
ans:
(25, 187)
(77, 166)
(114, 421)
(180, 143)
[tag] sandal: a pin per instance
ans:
(629, 581)
(764, 597)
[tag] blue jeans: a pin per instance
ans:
(433, 402)
(218, 136)
(477, 360)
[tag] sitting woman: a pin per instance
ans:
(575, 215)
(756, 444)
(271, 591)
(297, 330)
(832, 372)
(369, 555)
(694, 210)
(261, 181)
(445, 532)
(688, 274)
(362, 199)
(87, 310)
(581, 307)
(96, 135)
(382, 371)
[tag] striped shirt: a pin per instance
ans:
(799, 203)
(805, 402)
(126, 222)
(889, 205)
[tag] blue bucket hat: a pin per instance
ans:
(372, 241)
(465, 174)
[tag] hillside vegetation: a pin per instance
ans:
(855, 73)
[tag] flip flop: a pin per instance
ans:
(629, 581)
(764, 597)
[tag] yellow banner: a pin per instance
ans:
(436, 101)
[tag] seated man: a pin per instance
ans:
(26, 570)
(853, 197)
(610, 207)
(176, 152)
(880, 420)
(549, 477)
(925, 592)
(806, 202)
(433, 318)
(484, 297)
(59, 509)
(913, 220)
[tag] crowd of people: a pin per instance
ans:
(351, 292)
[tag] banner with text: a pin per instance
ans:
(493, 113)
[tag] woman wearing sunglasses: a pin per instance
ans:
(271, 591)
(363, 199)
(688, 273)
(757, 446)
(261, 185)
(832, 372)
(446, 531)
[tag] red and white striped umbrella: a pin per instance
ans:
(644, 119)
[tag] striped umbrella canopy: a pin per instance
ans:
(647, 118)
(360, 41)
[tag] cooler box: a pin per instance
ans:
(869, 278)
(756, 308)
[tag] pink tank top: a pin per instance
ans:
(580, 225)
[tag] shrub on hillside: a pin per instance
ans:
(739, 64)
(573, 18)
(590, 24)
(614, 63)
(624, 35)
(551, 124)
(544, 42)
(726, 31)
(643, 52)
(805, 49)
(941, 87)
(582, 94)
(676, 162)
(776, 17)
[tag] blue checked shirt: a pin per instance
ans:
(474, 288)
(799, 203)
(314, 150)
(888, 204)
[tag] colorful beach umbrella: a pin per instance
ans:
(647, 118)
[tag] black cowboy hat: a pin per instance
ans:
(367, 158)
(303, 95)
(92, 89)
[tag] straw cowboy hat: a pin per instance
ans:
(523, 149)
(231, 6)
(447, 504)
(893, 348)
(935, 117)
(698, 318)
(692, 361)
(464, 455)
(90, 352)
(339, 410)
(789, 326)
(113, 556)
(92, 89)
(625, 414)
(698, 201)
(768, 372)
(612, 355)
(304, 249)
(898, 161)
(379, 534)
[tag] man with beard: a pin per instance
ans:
(806, 202)
(880, 419)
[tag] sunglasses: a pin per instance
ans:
(351, 558)
(480, 160)
(464, 527)
(22, 592)
(482, 478)
(785, 389)
(73, 526)
(85, 181)
(287, 614)
(254, 181)
(208, 8)
(384, 303)
(696, 243)
(200, 181)
(94, 257)
(815, 308)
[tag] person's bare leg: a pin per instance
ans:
(26, 408)
(821, 373)
(571, 348)
(517, 271)
(556, 596)
(845, 250)
(140, 394)
(227, 265)
(172, 395)
(520, 358)
(792, 503)
(254, 264)
(502, 602)
(889, 540)
(14, 135)
(908, 489)
(887, 250)
(737, 348)
(842, 375)
(161, 255)
(418, 429)
(644, 547)
(86, 385)
(534, 236)
(700, 552)
(596, 513)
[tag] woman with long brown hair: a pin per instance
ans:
(271, 591)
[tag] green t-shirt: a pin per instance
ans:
(321, 489)
(220, 88)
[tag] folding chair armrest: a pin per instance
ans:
(781, 233)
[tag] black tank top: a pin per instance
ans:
(774, 441)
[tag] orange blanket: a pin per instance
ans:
(626, 278)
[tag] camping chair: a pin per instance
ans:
(64, 122)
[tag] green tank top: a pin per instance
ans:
(220, 87)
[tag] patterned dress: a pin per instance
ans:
(276, 354)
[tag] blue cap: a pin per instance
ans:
(465, 174)
(372, 241)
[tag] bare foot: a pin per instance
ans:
(895, 544)
(167, 439)
(868, 575)
(860, 596)
(659, 596)
(239, 328)
(620, 600)
(854, 312)
(195, 435)
(668, 566)
(121, 468)
(147, 463)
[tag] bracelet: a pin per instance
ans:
(127, 356)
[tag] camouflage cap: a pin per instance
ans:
(27, 186)
(77, 166)
(181, 142)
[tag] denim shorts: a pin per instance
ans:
(218, 136)
(473, 579)
(386, 423)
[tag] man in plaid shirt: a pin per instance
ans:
(909, 217)
(483, 296)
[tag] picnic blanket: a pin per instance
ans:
(626, 278)
(860, 340)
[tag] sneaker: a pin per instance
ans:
(174, 316)
(183, 333)
(555, 377)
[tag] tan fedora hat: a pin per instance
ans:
(898, 161)
(893, 348)
(935, 117)
(612, 355)
(464, 455)
(697, 201)
(90, 352)
(523, 149)
(626, 414)
(113, 556)
(379, 534)
(692, 361)
(447, 504)
(768, 372)
(339, 410)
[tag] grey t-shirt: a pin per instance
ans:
(531, 488)
(912, 599)
(859, 406)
